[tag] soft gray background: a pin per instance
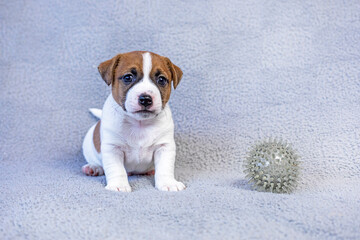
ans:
(252, 69)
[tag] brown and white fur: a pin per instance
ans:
(135, 134)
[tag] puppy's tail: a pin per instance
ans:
(96, 112)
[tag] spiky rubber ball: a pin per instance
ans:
(272, 166)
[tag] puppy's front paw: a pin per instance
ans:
(170, 185)
(125, 187)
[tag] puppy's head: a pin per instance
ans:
(141, 82)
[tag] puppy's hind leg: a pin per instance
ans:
(92, 170)
(94, 165)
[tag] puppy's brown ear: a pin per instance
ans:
(107, 69)
(176, 72)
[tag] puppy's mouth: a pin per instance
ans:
(144, 112)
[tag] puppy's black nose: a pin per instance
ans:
(145, 100)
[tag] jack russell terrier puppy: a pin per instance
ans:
(135, 134)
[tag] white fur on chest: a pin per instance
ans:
(137, 140)
(138, 145)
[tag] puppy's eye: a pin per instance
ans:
(128, 78)
(162, 81)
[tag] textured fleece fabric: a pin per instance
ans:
(252, 69)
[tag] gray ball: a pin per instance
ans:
(272, 166)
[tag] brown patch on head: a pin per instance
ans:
(96, 137)
(112, 71)
(162, 66)
(130, 63)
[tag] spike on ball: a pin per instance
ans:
(272, 166)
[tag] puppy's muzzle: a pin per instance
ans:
(145, 100)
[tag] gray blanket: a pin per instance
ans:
(252, 69)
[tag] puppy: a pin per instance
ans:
(135, 134)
